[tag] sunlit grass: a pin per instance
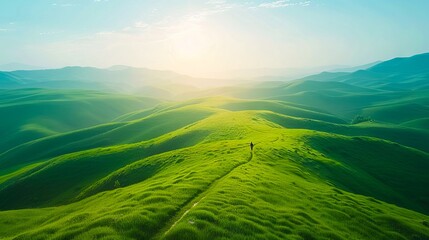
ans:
(196, 178)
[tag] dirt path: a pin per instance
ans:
(191, 203)
(183, 215)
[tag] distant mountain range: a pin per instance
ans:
(286, 74)
(399, 73)
(409, 73)
(115, 79)
(18, 66)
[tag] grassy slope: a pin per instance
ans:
(393, 112)
(29, 114)
(155, 122)
(103, 135)
(293, 186)
(339, 100)
(408, 136)
(422, 124)
(380, 106)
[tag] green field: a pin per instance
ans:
(82, 164)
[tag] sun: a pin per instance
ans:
(190, 44)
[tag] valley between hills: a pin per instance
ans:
(338, 155)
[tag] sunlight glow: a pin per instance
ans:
(190, 44)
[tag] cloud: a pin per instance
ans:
(141, 24)
(165, 29)
(105, 33)
(218, 6)
(63, 4)
(50, 33)
(283, 3)
(169, 27)
(9, 28)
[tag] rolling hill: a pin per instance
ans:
(283, 189)
(30, 114)
(96, 165)
(378, 92)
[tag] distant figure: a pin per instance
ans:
(251, 146)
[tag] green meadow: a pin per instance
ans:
(336, 156)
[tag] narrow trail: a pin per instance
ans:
(193, 202)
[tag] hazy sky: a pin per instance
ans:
(201, 37)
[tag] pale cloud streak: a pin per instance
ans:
(141, 24)
(50, 33)
(63, 4)
(169, 27)
(218, 6)
(173, 42)
(283, 3)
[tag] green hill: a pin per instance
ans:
(377, 92)
(410, 73)
(29, 114)
(201, 181)
(406, 65)
(422, 124)
(336, 156)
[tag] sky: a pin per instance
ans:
(202, 38)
